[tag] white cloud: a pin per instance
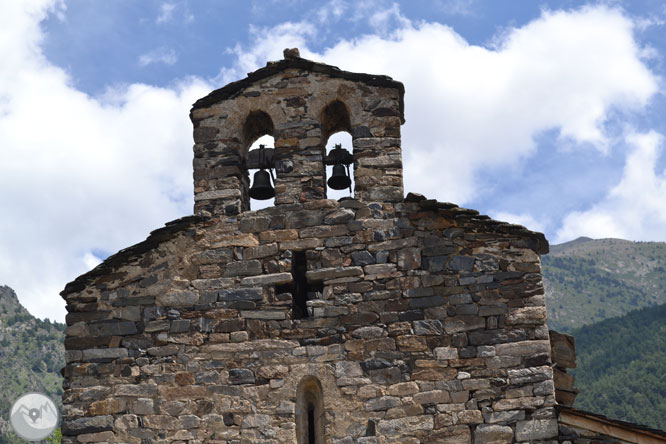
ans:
(331, 11)
(471, 108)
(635, 208)
(524, 219)
(160, 55)
(80, 173)
(166, 13)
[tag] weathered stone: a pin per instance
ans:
(178, 299)
(90, 424)
(241, 294)
(432, 397)
(412, 423)
(268, 279)
(428, 327)
(243, 268)
(362, 257)
(241, 376)
(112, 328)
(493, 434)
(332, 273)
(382, 403)
(104, 353)
(523, 348)
(536, 430)
(446, 353)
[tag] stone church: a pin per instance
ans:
(373, 319)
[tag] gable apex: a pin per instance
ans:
(294, 62)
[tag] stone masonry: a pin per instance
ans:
(371, 320)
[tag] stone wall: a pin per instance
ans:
(427, 325)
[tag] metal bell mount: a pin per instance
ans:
(340, 158)
(262, 189)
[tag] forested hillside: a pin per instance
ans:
(590, 280)
(31, 356)
(622, 367)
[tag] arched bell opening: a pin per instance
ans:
(258, 149)
(309, 412)
(340, 176)
(336, 130)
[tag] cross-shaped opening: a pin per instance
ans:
(301, 290)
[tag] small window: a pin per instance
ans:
(309, 412)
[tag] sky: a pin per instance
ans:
(548, 114)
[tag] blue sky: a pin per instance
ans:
(548, 114)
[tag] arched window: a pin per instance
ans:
(309, 412)
(336, 129)
(257, 130)
(345, 140)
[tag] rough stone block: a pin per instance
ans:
(493, 434)
(536, 430)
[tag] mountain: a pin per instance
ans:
(31, 356)
(588, 280)
(621, 367)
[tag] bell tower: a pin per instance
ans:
(300, 103)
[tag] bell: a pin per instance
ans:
(261, 186)
(339, 179)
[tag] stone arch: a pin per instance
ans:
(309, 411)
(257, 123)
(334, 117)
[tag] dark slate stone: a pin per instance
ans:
(361, 132)
(180, 326)
(113, 328)
(385, 112)
(362, 257)
(150, 280)
(228, 325)
(537, 360)
(77, 343)
(428, 327)
(467, 352)
(228, 419)
(240, 294)
(386, 375)
(419, 292)
(130, 302)
(375, 364)
(151, 313)
(360, 318)
(411, 315)
(73, 318)
(241, 376)
(207, 297)
(487, 337)
(431, 301)
(506, 275)
(91, 424)
(435, 263)
(461, 263)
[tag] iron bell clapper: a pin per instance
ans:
(262, 189)
(339, 180)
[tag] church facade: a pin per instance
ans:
(374, 319)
